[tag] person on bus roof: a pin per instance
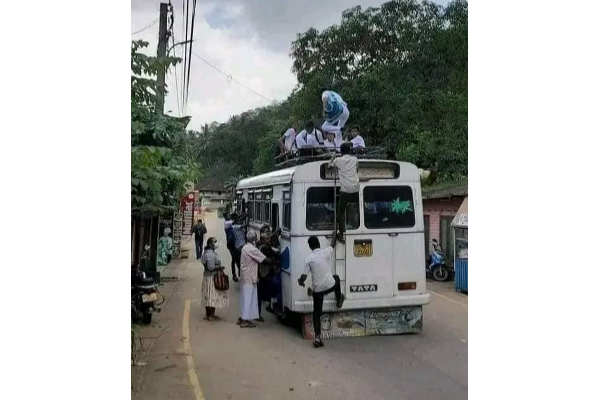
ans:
(287, 143)
(347, 169)
(309, 137)
(335, 110)
(357, 141)
(333, 140)
(318, 263)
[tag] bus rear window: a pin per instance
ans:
(389, 207)
(320, 212)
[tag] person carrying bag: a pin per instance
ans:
(215, 282)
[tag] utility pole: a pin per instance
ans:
(161, 53)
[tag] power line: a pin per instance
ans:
(230, 78)
(146, 27)
(185, 54)
(189, 65)
(175, 66)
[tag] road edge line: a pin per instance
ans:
(188, 353)
(449, 299)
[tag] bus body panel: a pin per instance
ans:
(368, 281)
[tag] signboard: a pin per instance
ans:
(177, 231)
(367, 171)
(187, 210)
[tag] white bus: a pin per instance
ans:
(381, 266)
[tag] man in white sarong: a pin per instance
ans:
(335, 110)
(251, 257)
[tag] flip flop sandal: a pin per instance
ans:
(247, 325)
(206, 318)
(239, 321)
(214, 318)
(316, 344)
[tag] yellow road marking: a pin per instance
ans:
(449, 299)
(188, 351)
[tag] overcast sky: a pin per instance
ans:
(248, 39)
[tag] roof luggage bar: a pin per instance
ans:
(311, 154)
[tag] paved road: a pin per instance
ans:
(218, 360)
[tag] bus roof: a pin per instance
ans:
(311, 172)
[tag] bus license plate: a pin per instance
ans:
(148, 298)
(363, 248)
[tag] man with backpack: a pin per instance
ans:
(230, 237)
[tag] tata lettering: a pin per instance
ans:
(363, 288)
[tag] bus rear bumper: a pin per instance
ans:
(306, 306)
(365, 322)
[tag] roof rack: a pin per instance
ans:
(311, 154)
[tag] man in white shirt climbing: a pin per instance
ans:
(318, 264)
(347, 168)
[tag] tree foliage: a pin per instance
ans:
(161, 159)
(402, 69)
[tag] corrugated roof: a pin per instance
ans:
(445, 190)
(461, 219)
(213, 185)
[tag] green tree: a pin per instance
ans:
(160, 165)
(401, 67)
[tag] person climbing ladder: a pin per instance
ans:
(347, 168)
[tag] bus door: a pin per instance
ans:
(369, 259)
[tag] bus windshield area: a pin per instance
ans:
(388, 207)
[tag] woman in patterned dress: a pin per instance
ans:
(211, 297)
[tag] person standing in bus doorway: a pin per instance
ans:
(347, 168)
(199, 231)
(251, 257)
(318, 263)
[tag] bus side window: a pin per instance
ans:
(287, 215)
(267, 213)
(275, 215)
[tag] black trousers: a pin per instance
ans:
(235, 260)
(343, 201)
(199, 242)
(318, 303)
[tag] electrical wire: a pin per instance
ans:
(230, 78)
(146, 27)
(189, 65)
(185, 54)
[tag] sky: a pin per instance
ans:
(246, 39)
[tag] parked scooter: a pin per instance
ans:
(437, 268)
(144, 292)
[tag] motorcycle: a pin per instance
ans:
(437, 268)
(144, 292)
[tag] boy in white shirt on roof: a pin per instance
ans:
(318, 264)
(288, 141)
(357, 141)
(310, 136)
(333, 140)
(347, 168)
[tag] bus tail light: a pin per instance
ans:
(407, 285)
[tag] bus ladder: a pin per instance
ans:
(340, 248)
